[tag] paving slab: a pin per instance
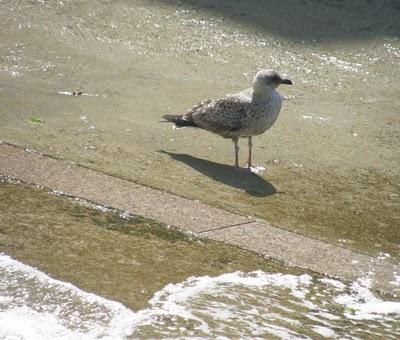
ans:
(112, 191)
(258, 236)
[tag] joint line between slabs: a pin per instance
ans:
(227, 226)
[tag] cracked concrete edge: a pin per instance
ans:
(194, 216)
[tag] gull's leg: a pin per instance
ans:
(249, 165)
(235, 141)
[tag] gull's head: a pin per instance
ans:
(268, 79)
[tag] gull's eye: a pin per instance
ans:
(273, 79)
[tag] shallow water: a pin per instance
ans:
(232, 305)
(331, 159)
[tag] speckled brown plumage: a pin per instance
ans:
(245, 114)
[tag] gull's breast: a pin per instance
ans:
(263, 115)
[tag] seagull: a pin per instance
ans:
(242, 115)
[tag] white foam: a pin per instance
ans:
(383, 256)
(335, 283)
(324, 331)
(68, 93)
(196, 285)
(396, 279)
(58, 314)
(361, 304)
(35, 306)
(323, 119)
(26, 323)
(40, 307)
(177, 300)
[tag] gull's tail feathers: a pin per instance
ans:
(179, 121)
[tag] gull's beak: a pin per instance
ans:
(287, 81)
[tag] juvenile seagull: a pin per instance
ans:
(243, 115)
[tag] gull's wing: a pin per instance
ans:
(220, 115)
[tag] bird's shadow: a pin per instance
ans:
(254, 185)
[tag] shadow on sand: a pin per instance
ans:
(254, 185)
